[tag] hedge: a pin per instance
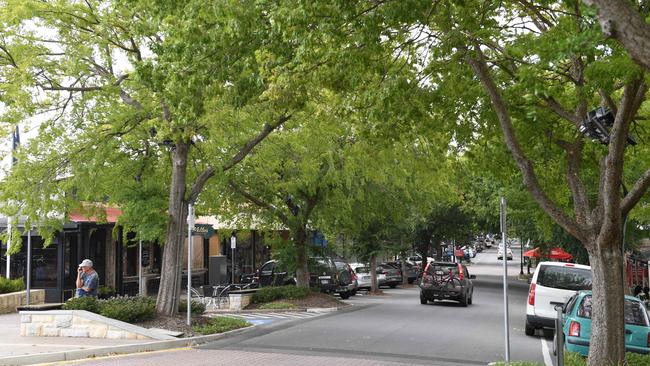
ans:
(268, 294)
(197, 308)
(7, 286)
(127, 309)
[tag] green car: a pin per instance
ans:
(577, 324)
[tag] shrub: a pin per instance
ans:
(7, 285)
(106, 292)
(129, 309)
(88, 303)
(220, 324)
(197, 308)
(268, 294)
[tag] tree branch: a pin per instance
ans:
(268, 128)
(203, 178)
(634, 195)
(525, 166)
(259, 202)
(556, 107)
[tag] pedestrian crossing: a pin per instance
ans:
(267, 317)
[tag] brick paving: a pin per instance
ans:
(193, 357)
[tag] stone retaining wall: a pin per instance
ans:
(237, 302)
(81, 323)
(9, 302)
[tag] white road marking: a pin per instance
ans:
(548, 360)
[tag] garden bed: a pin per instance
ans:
(313, 300)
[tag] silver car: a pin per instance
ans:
(363, 277)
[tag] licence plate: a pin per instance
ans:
(440, 272)
(324, 281)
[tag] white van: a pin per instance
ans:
(552, 284)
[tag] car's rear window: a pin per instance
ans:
(340, 265)
(436, 269)
(634, 312)
(363, 270)
(565, 278)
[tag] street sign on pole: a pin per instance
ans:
(233, 246)
(190, 226)
(506, 319)
(29, 265)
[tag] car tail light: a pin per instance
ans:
(354, 276)
(460, 272)
(569, 265)
(531, 294)
(648, 339)
(574, 329)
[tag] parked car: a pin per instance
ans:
(576, 324)
(392, 276)
(342, 265)
(412, 271)
(508, 253)
(447, 281)
(363, 277)
(552, 284)
(323, 271)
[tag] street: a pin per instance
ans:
(382, 330)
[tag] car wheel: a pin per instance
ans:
(530, 330)
(345, 295)
(393, 286)
(423, 300)
(471, 298)
(353, 293)
(411, 281)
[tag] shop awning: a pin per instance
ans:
(555, 253)
(112, 214)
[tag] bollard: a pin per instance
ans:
(559, 339)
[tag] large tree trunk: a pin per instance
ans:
(374, 286)
(607, 325)
(170, 274)
(302, 265)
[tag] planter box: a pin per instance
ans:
(9, 302)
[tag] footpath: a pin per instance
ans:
(18, 350)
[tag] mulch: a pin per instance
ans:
(176, 323)
(314, 300)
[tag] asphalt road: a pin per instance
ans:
(383, 330)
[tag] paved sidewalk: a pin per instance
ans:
(12, 344)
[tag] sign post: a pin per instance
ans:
(233, 246)
(190, 226)
(29, 265)
(506, 320)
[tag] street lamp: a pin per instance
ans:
(597, 126)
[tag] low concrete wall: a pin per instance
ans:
(9, 302)
(81, 323)
(239, 301)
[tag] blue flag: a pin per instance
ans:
(15, 137)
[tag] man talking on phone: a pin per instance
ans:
(87, 279)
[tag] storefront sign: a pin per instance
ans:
(204, 230)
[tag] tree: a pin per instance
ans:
(134, 98)
(541, 69)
